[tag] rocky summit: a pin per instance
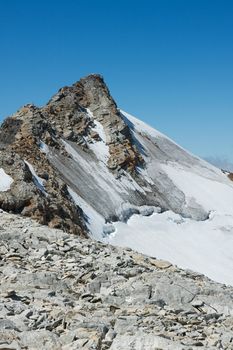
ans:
(60, 291)
(27, 136)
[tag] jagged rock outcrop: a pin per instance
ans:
(67, 112)
(20, 139)
(62, 292)
(66, 116)
(230, 176)
(94, 94)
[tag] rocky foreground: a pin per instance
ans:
(62, 292)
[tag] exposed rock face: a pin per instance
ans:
(20, 140)
(67, 117)
(67, 111)
(62, 292)
(95, 96)
(230, 176)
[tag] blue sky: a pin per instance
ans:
(169, 62)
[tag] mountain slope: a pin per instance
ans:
(81, 164)
(191, 241)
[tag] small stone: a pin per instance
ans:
(110, 335)
(9, 294)
(7, 324)
(160, 264)
(197, 303)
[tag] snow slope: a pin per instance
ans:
(199, 181)
(194, 229)
(204, 246)
(95, 222)
(211, 194)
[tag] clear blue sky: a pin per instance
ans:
(169, 62)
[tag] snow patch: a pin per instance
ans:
(142, 127)
(44, 148)
(203, 246)
(168, 146)
(100, 148)
(144, 174)
(5, 181)
(210, 194)
(105, 179)
(38, 181)
(94, 221)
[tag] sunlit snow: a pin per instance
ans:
(99, 147)
(211, 194)
(105, 179)
(38, 181)
(5, 181)
(203, 246)
(200, 237)
(44, 148)
(94, 221)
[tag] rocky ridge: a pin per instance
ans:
(27, 136)
(62, 292)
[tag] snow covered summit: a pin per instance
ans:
(81, 164)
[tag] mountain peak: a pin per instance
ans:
(82, 114)
(74, 111)
(82, 165)
(84, 91)
(93, 77)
